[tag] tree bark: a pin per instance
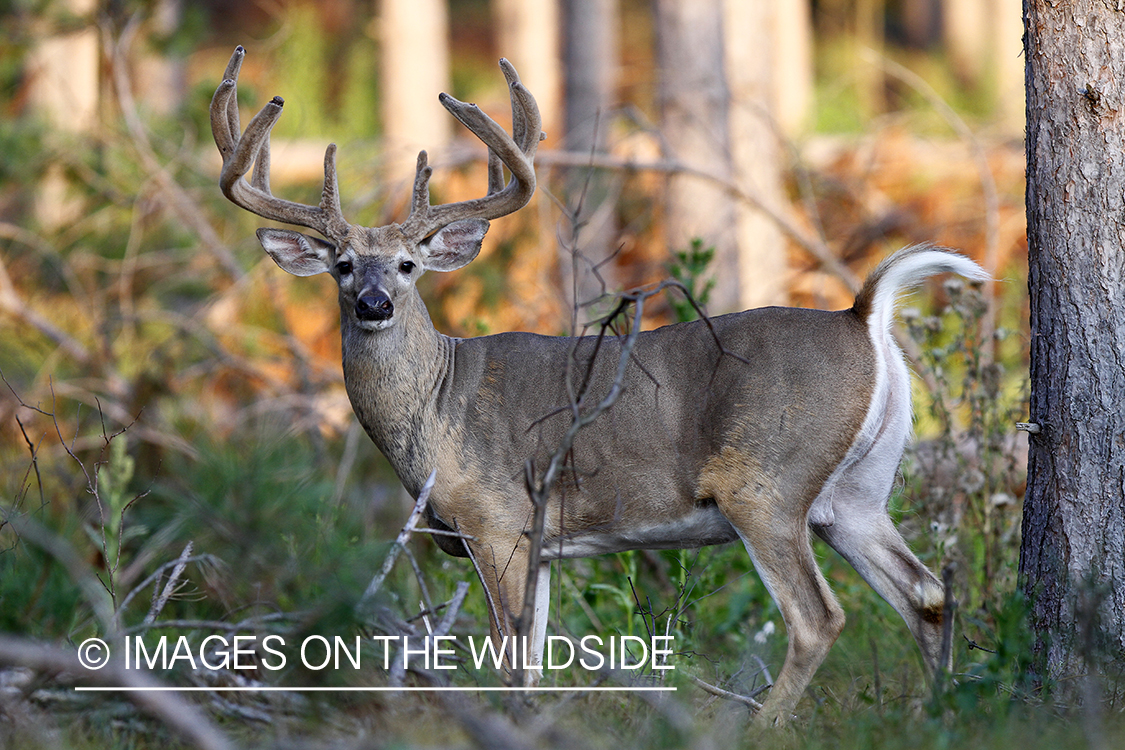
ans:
(1074, 513)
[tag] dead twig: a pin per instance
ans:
(156, 576)
(492, 611)
(746, 700)
(158, 602)
(812, 245)
(540, 489)
(400, 541)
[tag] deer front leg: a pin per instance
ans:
(505, 581)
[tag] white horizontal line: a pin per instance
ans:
(413, 689)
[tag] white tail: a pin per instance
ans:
(755, 425)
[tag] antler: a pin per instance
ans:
(516, 152)
(240, 150)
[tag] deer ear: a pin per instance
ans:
(297, 253)
(454, 245)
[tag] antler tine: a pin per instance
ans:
(519, 118)
(240, 150)
(495, 173)
(420, 201)
(526, 123)
(515, 151)
(234, 67)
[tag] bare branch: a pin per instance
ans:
(540, 490)
(178, 201)
(492, 611)
(170, 586)
(728, 695)
(454, 608)
(157, 575)
(400, 541)
(813, 245)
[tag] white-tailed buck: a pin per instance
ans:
(756, 427)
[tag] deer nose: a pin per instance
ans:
(374, 306)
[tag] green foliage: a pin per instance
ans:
(690, 268)
(113, 478)
(966, 456)
(264, 509)
(36, 594)
(359, 97)
(21, 142)
(302, 64)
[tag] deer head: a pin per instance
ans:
(376, 268)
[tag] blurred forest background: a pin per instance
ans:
(170, 395)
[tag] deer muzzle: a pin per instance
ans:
(374, 306)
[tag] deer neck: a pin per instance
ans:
(393, 377)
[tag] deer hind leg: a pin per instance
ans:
(778, 543)
(866, 538)
(864, 535)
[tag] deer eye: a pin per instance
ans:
(406, 266)
(344, 267)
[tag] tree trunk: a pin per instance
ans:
(694, 111)
(528, 36)
(752, 47)
(590, 51)
(791, 59)
(965, 36)
(868, 47)
(415, 61)
(64, 90)
(1073, 549)
(160, 76)
(983, 38)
